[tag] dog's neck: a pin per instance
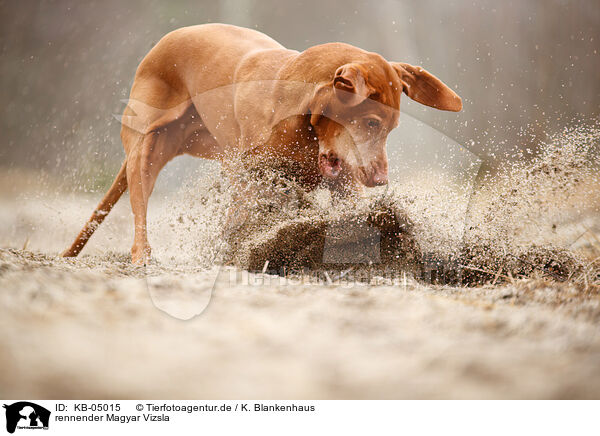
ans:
(318, 64)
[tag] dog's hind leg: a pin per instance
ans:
(143, 166)
(118, 187)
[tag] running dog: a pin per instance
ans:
(216, 91)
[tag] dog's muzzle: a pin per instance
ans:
(377, 179)
(375, 175)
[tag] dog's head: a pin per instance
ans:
(353, 114)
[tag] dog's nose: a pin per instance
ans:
(379, 173)
(379, 178)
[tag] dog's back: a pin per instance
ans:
(203, 57)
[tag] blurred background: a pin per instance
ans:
(525, 69)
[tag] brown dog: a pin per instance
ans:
(216, 90)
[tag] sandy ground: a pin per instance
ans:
(96, 327)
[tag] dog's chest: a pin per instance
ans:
(295, 140)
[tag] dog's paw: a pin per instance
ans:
(140, 256)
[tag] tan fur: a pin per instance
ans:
(216, 90)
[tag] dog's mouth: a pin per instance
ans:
(330, 165)
(333, 168)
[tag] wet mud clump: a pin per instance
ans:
(277, 225)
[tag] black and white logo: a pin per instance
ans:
(26, 415)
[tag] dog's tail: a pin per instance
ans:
(119, 186)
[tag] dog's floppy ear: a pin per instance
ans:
(349, 87)
(424, 87)
(350, 84)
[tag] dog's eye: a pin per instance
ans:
(373, 123)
